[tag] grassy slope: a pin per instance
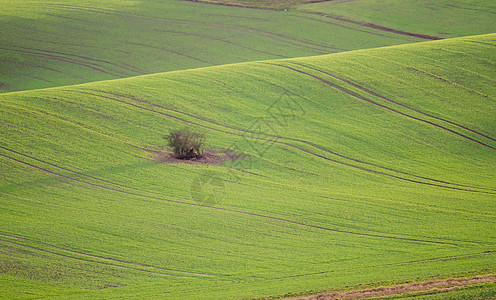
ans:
(53, 43)
(265, 4)
(445, 18)
(363, 166)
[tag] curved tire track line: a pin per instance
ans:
(222, 26)
(220, 40)
(427, 73)
(63, 59)
(38, 66)
(281, 143)
(137, 69)
(170, 51)
(375, 26)
(392, 101)
(363, 98)
(474, 188)
(343, 26)
(101, 257)
(89, 60)
(231, 210)
(404, 263)
(68, 170)
(87, 258)
(58, 58)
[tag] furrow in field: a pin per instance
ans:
(378, 27)
(70, 18)
(36, 66)
(470, 189)
(220, 40)
(68, 170)
(449, 258)
(408, 67)
(221, 26)
(67, 60)
(85, 59)
(289, 38)
(232, 210)
(117, 263)
(362, 268)
(35, 77)
(394, 102)
(242, 133)
(67, 44)
(87, 260)
(344, 26)
(314, 145)
(363, 98)
(447, 81)
(170, 51)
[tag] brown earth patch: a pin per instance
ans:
(209, 157)
(414, 288)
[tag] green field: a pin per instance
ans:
(439, 18)
(350, 176)
(364, 156)
(54, 43)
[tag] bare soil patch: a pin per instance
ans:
(414, 288)
(209, 157)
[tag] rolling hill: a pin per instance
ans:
(369, 166)
(53, 43)
(444, 19)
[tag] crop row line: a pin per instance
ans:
(227, 209)
(220, 40)
(362, 268)
(363, 98)
(83, 61)
(117, 263)
(437, 77)
(319, 47)
(377, 27)
(370, 92)
(68, 170)
(242, 133)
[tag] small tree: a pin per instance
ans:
(186, 144)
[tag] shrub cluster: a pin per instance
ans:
(186, 144)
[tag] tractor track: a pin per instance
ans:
(394, 102)
(377, 27)
(243, 134)
(71, 171)
(91, 258)
(232, 210)
(219, 40)
(316, 47)
(363, 98)
(88, 61)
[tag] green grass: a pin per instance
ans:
(366, 166)
(54, 43)
(444, 19)
(265, 4)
